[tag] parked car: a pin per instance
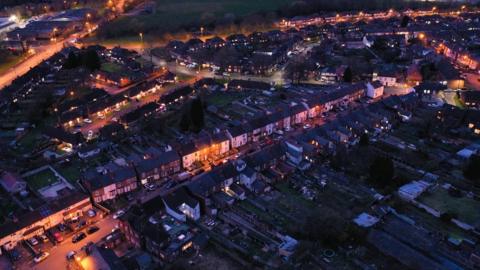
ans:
(80, 225)
(92, 229)
(91, 213)
(14, 255)
(58, 237)
(71, 255)
(150, 187)
(130, 197)
(118, 214)
(62, 227)
(40, 257)
(78, 237)
(43, 238)
(33, 241)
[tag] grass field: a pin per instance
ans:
(9, 61)
(466, 208)
(172, 15)
(111, 67)
(41, 179)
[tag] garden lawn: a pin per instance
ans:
(41, 179)
(465, 208)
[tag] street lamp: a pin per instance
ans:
(141, 38)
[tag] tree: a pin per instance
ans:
(340, 159)
(382, 171)
(91, 60)
(405, 21)
(347, 75)
(448, 216)
(296, 70)
(72, 61)
(185, 122)
(326, 226)
(197, 115)
(472, 170)
(364, 140)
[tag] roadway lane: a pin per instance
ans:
(57, 259)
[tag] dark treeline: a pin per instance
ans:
(307, 7)
(11, 3)
(258, 21)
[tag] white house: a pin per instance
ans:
(375, 89)
(247, 175)
(180, 205)
(238, 136)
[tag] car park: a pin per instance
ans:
(78, 237)
(40, 257)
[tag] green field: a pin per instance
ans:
(170, 16)
(41, 179)
(465, 208)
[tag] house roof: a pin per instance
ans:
(249, 85)
(155, 232)
(98, 180)
(62, 135)
(42, 212)
(9, 180)
(178, 197)
(164, 158)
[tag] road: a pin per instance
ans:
(41, 53)
(472, 80)
(57, 259)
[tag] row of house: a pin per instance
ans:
(43, 218)
(114, 179)
(110, 181)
